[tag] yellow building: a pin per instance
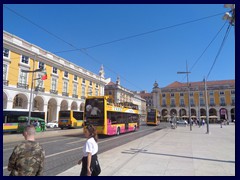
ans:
(65, 88)
(173, 99)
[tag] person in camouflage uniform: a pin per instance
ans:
(27, 158)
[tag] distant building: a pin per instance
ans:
(173, 99)
(148, 97)
(119, 94)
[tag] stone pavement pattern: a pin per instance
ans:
(172, 152)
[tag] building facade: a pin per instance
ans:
(119, 94)
(65, 88)
(173, 99)
(148, 97)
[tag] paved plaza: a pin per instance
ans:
(172, 152)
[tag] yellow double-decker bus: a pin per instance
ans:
(70, 119)
(152, 117)
(109, 118)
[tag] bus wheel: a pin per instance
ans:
(118, 131)
(61, 127)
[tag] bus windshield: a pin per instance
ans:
(95, 111)
(64, 114)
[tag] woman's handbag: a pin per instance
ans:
(96, 169)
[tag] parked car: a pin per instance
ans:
(52, 125)
(182, 122)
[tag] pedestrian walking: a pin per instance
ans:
(27, 158)
(89, 161)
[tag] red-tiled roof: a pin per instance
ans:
(177, 84)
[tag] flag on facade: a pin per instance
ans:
(44, 76)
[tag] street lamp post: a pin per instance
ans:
(230, 16)
(31, 93)
(206, 100)
(189, 106)
(199, 110)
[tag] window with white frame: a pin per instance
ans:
(212, 101)
(25, 59)
(65, 86)
(222, 100)
(40, 81)
(83, 81)
(54, 84)
(191, 101)
(75, 78)
(182, 102)
(75, 89)
(233, 99)
(5, 52)
(172, 94)
(200, 93)
(191, 93)
(163, 95)
(4, 72)
(172, 101)
(54, 71)
(83, 90)
(181, 94)
(40, 65)
(23, 77)
(90, 91)
(90, 83)
(201, 101)
(96, 85)
(96, 92)
(163, 102)
(211, 93)
(65, 74)
(221, 92)
(232, 91)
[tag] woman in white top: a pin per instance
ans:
(90, 150)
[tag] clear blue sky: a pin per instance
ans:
(141, 60)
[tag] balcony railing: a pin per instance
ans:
(83, 97)
(75, 96)
(192, 105)
(202, 105)
(65, 94)
(21, 85)
(233, 104)
(5, 82)
(182, 105)
(164, 105)
(213, 104)
(53, 91)
(223, 104)
(172, 105)
(40, 89)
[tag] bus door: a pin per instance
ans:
(126, 125)
(126, 122)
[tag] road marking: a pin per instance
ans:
(46, 142)
(76, 141)
(51, 155)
